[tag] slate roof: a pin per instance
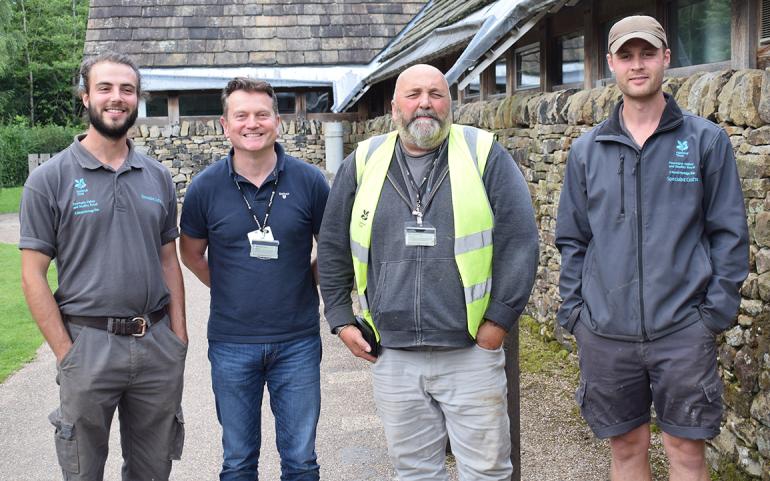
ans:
(438, 13)
(231, 33)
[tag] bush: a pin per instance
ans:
(17, 140)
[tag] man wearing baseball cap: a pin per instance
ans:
(654, 246)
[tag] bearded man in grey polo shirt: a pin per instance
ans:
(116, 324)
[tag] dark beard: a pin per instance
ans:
(115, 133)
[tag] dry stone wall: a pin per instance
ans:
(538, 130)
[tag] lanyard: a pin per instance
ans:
(416, 190)
(263, 225)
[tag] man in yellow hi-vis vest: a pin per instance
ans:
(434, 226)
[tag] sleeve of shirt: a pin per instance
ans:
(516, 247)
(320, 196)
(727, 233)
(193, 219)
(39, 218)
(170, 230)
(335, 263)
(573, 233)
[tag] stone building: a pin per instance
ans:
(313, 52)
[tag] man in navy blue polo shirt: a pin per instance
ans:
(256, 211)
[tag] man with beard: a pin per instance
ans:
(654, 247)
(434, 223)
(116, 324)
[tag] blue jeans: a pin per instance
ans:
(291, 371)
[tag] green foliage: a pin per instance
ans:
(17, 140)
(41, 45)
(540, 357)
(728, 471)
(19, 335)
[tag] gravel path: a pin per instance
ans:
(556, 444)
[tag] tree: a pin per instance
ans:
(43, 42)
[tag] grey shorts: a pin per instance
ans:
(619, 380)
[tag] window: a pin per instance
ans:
(318, 102)
(200, 103)
(157, 105)
(570, 56)
(287, 103)
(699, 31)
(528, 67)
(500, 76)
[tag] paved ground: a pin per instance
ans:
(350, 444)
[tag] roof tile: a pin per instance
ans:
(247, 32)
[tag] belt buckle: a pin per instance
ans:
(142, 322)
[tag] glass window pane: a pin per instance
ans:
(528, 69)
(200, 103)
(157, 105)
(318, 102)
(700, 31)
(570, 48)
(500, 75)
(286, 102)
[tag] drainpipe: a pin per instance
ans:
(333, 138)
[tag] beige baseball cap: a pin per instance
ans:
(636, 26)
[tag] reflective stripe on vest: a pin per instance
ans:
(468, 151)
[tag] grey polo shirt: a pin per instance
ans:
(105, 229)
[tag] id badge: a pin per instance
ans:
(419, 235)
(263, 246)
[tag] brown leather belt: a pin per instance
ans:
(121, 326)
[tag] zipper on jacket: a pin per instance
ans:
(418, 286)
(622, 186)
(638, 170)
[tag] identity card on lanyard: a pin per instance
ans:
(262, 244)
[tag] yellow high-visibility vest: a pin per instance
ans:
(468, 151)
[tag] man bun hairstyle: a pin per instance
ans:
(112, 57)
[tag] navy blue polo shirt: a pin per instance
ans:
(256, 300)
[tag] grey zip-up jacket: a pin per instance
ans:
(415, 294)
(651, 240)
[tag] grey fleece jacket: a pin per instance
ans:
(652, 240)
(415, 293)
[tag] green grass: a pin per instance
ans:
(19, 335)
(9, 199)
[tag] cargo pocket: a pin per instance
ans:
(66, 444)
(714, 391)
(177, 439)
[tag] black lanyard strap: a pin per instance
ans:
(419, 206)
(263, 225)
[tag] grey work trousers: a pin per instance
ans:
(140, 376)
(424, 396)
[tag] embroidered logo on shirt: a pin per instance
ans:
(152, 199)
(681, 148)
(679, 169)
(80, 186)
(85, 207)
(284, 195)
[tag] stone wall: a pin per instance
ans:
(538, 130)
(189, 147)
